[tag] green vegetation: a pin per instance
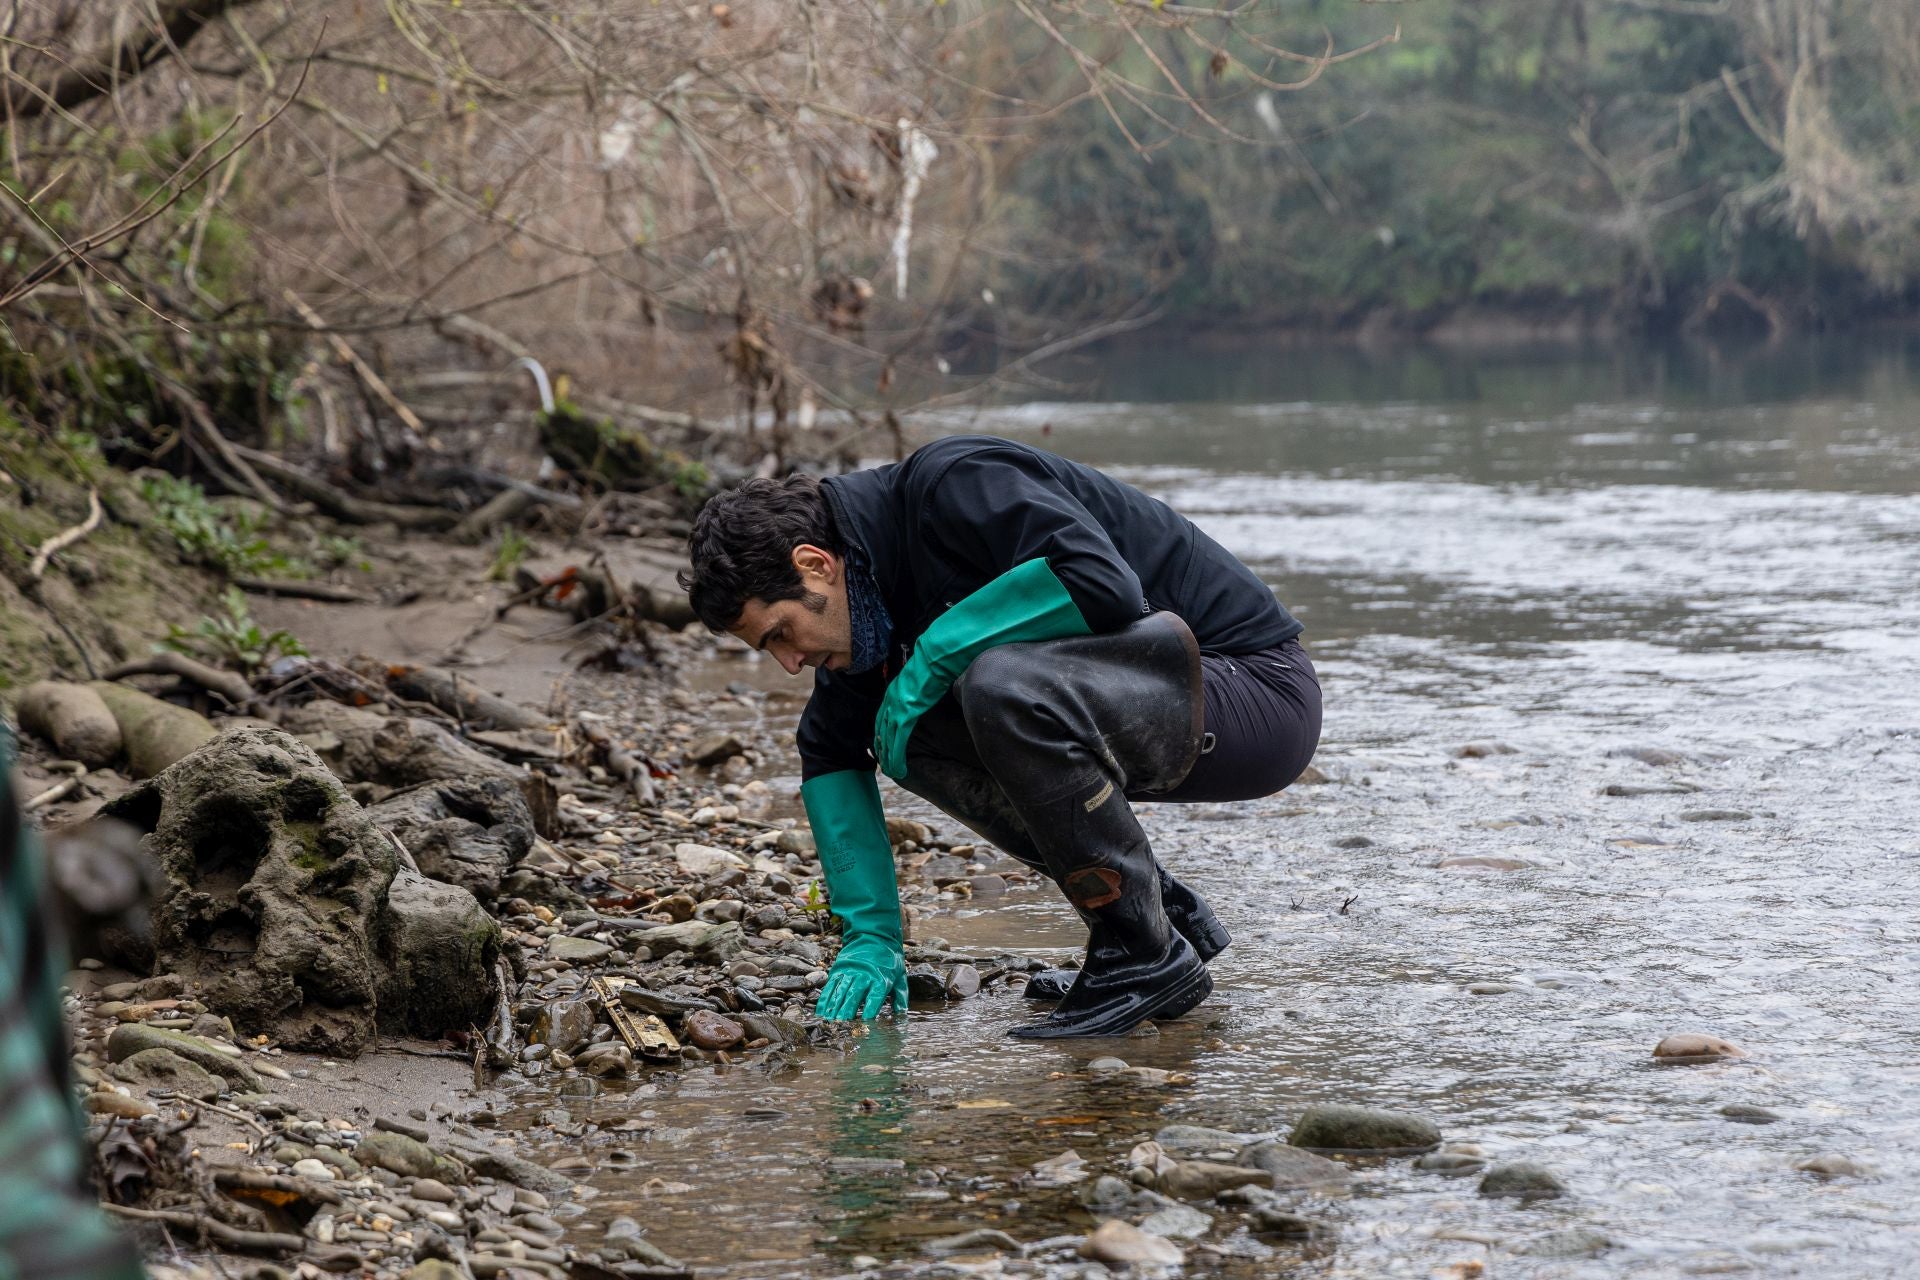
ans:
(231, 638)
(1646, 164)
(509, 554)
(228, 537)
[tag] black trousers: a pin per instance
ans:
(1262, 724)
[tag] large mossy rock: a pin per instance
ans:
(276, 899)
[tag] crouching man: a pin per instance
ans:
(1029, 645)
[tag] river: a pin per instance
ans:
(1530, 581)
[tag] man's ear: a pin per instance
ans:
(815, 562)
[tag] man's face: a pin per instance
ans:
(813, 631)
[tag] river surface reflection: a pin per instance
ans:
(1530, 585)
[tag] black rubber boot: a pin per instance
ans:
(1137, 967)
(1190, 917)
(1038, 749)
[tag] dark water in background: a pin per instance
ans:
(1572, 556)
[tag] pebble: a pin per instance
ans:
(1177, 1222)
(1832, 1166)
(1117, 1243)
(1450, 1164)
(577, 950)
(1746, 1113)
(1290, 1167)
(432, 1189)
(311, 1168)
(1522, 1179)
(1201, 1179)
(1689, 1047)
(712, 1030)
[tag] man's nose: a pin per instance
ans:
(789, 659)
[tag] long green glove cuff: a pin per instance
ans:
(850, 831)
(1027, 602)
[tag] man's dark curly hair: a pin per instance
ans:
(742, 546)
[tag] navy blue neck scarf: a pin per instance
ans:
(872, 625)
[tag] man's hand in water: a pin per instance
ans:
(868, 973)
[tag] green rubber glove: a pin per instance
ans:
(850, 829)
(1026, 602)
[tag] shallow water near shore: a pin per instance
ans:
(1647, 651)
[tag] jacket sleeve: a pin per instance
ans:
(998, 508)
(836, 728)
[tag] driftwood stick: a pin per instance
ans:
(66, 537)
(210, 1229)
(497, 510)
(367, 374)
(302, 590)
(229, 685)
(342, 505)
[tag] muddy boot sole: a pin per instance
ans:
(1181, 997)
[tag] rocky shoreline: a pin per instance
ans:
(666, 920)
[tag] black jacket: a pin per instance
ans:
(960, 512)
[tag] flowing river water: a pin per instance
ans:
(1637, 637)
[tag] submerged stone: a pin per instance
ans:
(1339, 1127)
(1523, 1179)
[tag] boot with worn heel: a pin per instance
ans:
(1191, 918)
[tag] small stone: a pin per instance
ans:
(311, 1168)
(405, 1156)
(1689, 1047)
(1492, 988)
(1292, 1226)
(1450, 1164)
(963, 981)
(1338, 1127)
(705, 860)
(108, 1103)
(1290, 1167)
(1193, 1140)
(1199, 1179)
(902, 830)
(1353, 842)
(987, 886)
(721, 911)
(1832, 1166)
(1482, 863)
(131, 1038)
(1575, 1242)
(1746, 1113)
(432, 1190)
(1117, 1243)
(1523, 1179)
(164, 1069)
(1716, 815)
(714, 944)
(714, 749)
(1177, 1222)
(1102, 1065)
(1481, 750)
(713, 1030)
(563, 1024)
(679, 906)
(577, 950)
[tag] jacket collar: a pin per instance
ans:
(862, 507)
